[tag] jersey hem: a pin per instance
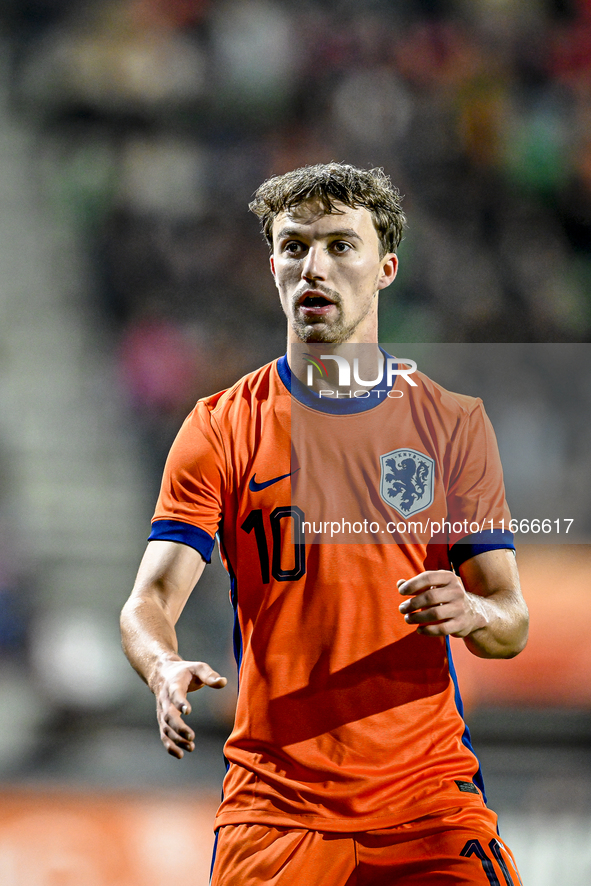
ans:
(347, 825)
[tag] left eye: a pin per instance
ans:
(340, 246)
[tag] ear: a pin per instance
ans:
(389, 270)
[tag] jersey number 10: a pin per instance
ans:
(255, 521)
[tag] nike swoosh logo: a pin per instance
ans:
(256, 487)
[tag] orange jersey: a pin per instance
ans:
(347, 719)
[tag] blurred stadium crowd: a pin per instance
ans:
(155, 120)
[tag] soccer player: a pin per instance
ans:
(362, 523)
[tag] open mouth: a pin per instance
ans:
(315, 301)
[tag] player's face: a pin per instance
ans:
(328, 271)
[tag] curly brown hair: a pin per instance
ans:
(329, 184)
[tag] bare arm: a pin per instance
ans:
(167, 575)
(484, 604)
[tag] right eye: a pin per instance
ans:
(293, 247)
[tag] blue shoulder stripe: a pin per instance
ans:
(186, 534)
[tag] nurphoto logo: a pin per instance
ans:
(386, 374)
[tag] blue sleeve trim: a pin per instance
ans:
(478, 543)
(186, 534)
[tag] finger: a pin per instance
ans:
(451, 627)
(169, 716)
(172, 749)
(172, 746)
(183, 677)
(176, 736)
(432, 597)
(173, 724)
(217, 682)
(433, 615)
(181, 740)
(177, 693)
(178, 678)
(204, 675)
(425, 580)
(178, 686)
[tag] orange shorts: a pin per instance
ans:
(460, 846)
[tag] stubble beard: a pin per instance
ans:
(336, 333)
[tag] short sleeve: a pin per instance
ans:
(478, 513)
(190, 502)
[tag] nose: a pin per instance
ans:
(314, 266)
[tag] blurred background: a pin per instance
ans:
(133, 280)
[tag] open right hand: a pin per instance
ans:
(175, 679)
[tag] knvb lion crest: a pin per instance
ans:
(406, 481)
